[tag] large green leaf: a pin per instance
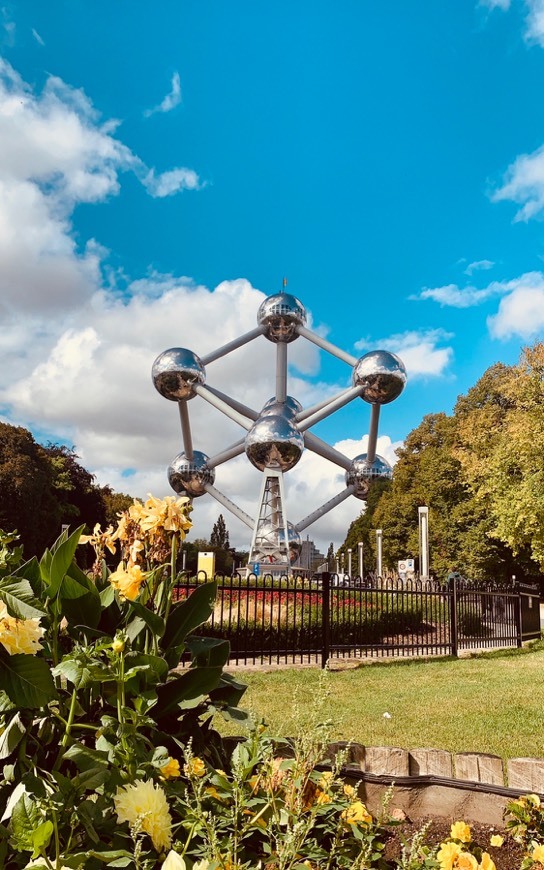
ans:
(11, 736)
(80, 599)
(187, 686)
(152, 620)
(25, 819)
(228, 692)
(54, 570)
(188, 615)
(26, 680)
(208, 651)
(18, 596)
(31, 571)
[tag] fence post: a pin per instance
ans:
(453, 616)
(519, 617)
(325, 617)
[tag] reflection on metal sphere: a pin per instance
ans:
(290, 408)
(271, 539)
(189, 476)
(274, 442)
(362, 473)
(175, 373)
(281, 314)
(382, 376)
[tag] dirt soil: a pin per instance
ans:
(508, 857)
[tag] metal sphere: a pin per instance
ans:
(176, 372)
(270, 539)
(363, 473)
(274, 442)
(381, 374)
(290, 408)
(281, 314)
(189, 476)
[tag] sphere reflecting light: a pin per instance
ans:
(270, 539)
(362, 473)
(274, 442)
(189, 476)
(381, 374)
(281, 314)
(176, 372)
(290, 408)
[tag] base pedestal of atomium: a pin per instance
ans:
(276, 436)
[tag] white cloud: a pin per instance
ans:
(521, 312)
(535, 21)
(479, 265)
(170, 182)
(460, 297)
(419, 351)
(524, 185)
(170, 101)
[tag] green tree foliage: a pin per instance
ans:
(79, 498)
(363, 528)
(114, 504)
(220, 535)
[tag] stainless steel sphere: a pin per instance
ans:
(362, 473)
(274, 442)
(381, 374)
(189, 476)
(176, 372)
(270, 539)
(290, 408)
(281, 314)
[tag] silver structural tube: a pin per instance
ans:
(227, 454)
(307, 412)
(333, 405)
(229, 505)
(325, 508)
(373, 434)
(232, 403)
(326, 345)
(186, 429)
(218, 403)
(312, 442)
(379, 535)
(232, 345)
(281, 371)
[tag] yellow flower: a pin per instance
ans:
(127, 582)
(349, 791)
(496, 840)
(99, 539)
(460, 831)
(118, 645)
(195, 767)
(156, 515)
(19, 635)
(356, 814)
(174, 861)
(171, 769)
(466, 861)
(321, 797)
(135, 548)
(538, 854)
(487, 862)
(212, 792)
(144, 806)
(448, 854)
(326, 780)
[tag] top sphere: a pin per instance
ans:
(381, 374)
(281, 314)
(176, 372)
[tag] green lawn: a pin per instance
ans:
(493, 703)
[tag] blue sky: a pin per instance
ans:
(385, 157)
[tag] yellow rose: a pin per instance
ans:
(194, 768)
(357, 814)
(461, 831)
(487, 862)
(171, 769)
(538, 854)
(19, 635)
(127, 582)
(496, 840)
(466, 861)
(448, 854)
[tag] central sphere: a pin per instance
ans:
(189, 476)
(281, 314)
(362, 473)
(381, 374)
(274, 442)
(270, 538)
(176, 372)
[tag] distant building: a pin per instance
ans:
(310, 557)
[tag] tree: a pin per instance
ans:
(80, 500)
(330, 557)
(220, 535)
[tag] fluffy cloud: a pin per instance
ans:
(170, 101)
(419, 351)
(521, 312)
(535, 21)
(460, 297)
(479, 265)
(524, 185)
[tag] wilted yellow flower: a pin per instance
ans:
(135, 548)
(448, 854)
(461, 831)
(174, 861)
(169, 514)
(357, 814)
(326, 780)
(171, 769)
(487, 862)
(127, 582)
(99, 540)
(466, 861)
(195, 767)
(144, 806)
(349, 791)
(496, 840)
(538, 854)
(19, 635)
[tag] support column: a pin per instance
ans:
(379, 535)
(423, 516)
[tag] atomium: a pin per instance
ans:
(276, 436)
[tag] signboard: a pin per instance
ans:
(206, 562)
(256, 569)
(406, 566)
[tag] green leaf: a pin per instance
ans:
(188, 615)
(192, 684)
(26, 680)
(229, 691)
(107, 596)
(41, 837)
(152, 620)
(80, 599)
(134, 627)
(18, 596)
(208, 651)
(25, 819)
(60, 562)
(11, 736)
(86, 758)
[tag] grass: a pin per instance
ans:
(490, 703)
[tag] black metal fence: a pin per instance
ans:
(294, 620)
